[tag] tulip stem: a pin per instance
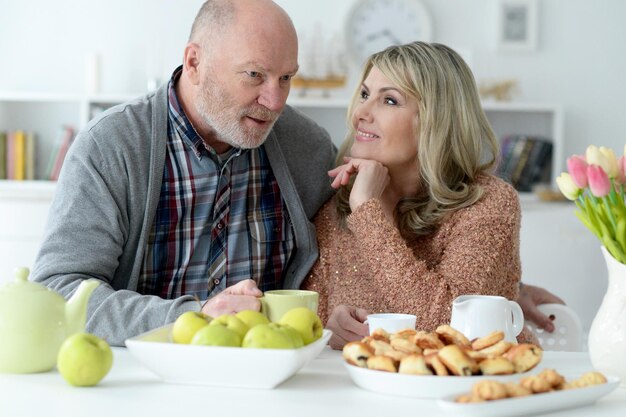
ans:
(581, 199)
(611, 217)
(613, 193)
(590, 215)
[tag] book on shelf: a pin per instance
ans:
(17, 155)
(9, 159)
(19, 151)
(3, 155)
(525, 161)
(66, 137)
(30, 156)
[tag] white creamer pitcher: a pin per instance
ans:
(479, 315)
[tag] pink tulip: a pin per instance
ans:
(621, 170)
(598, 181)
(577, 168)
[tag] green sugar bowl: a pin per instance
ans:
(34, 322)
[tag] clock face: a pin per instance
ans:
(373, 25)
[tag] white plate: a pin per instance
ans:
(532, 404)
(220, 366)
(418, 386)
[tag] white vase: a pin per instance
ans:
(607, 336)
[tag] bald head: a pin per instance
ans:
(219, 17)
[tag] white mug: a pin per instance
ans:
(479, 315)
(390, 322)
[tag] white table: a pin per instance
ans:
(323, 388)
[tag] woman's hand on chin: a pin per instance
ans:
(372, 178)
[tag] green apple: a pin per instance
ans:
(252, 318)
(306, 322)
(264, 336)
(187, 324)
(231, 322)
(291, 332)
(84, 359)
(216, 335)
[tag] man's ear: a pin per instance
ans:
(191, 62)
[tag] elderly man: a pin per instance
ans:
(200, 191)
(199, 195)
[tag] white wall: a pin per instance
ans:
(43, 43)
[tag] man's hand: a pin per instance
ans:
(346, 323)
(529, 298)
(241, 296)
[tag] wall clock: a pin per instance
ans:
(373, 25)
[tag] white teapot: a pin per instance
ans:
(479, 315)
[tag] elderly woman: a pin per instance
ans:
(418, 219)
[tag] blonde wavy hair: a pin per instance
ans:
(455, 140)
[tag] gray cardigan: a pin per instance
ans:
(107, 196)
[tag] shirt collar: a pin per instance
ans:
(179, 120)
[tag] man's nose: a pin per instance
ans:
(273, 97)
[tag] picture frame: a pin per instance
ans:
(517, 25)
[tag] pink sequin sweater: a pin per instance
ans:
(369, 265)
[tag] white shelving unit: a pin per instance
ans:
(46, 113)
(545, 120)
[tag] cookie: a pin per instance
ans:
(437, 366)
(553, 378)
(489, 390)
(457, 362)
(489, 340)
(380, 334)
(524, 356)
(468, 398)
(381, 363)
(405, 345)
(516, 390)
(535, 384)
(396, 355)
(414, 365)
(477, 355)
(497, 349)
(357, 353)
(403, 334)
(427, 340)
(496, 366)
(589, 378)
(450, 336)
(379, 346)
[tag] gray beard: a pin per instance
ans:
(229, 130)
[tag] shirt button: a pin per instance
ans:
(216, 281)
(220, 225)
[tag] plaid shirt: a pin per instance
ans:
(220, 219)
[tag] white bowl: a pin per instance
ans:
(220, 366)
(418, 386)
